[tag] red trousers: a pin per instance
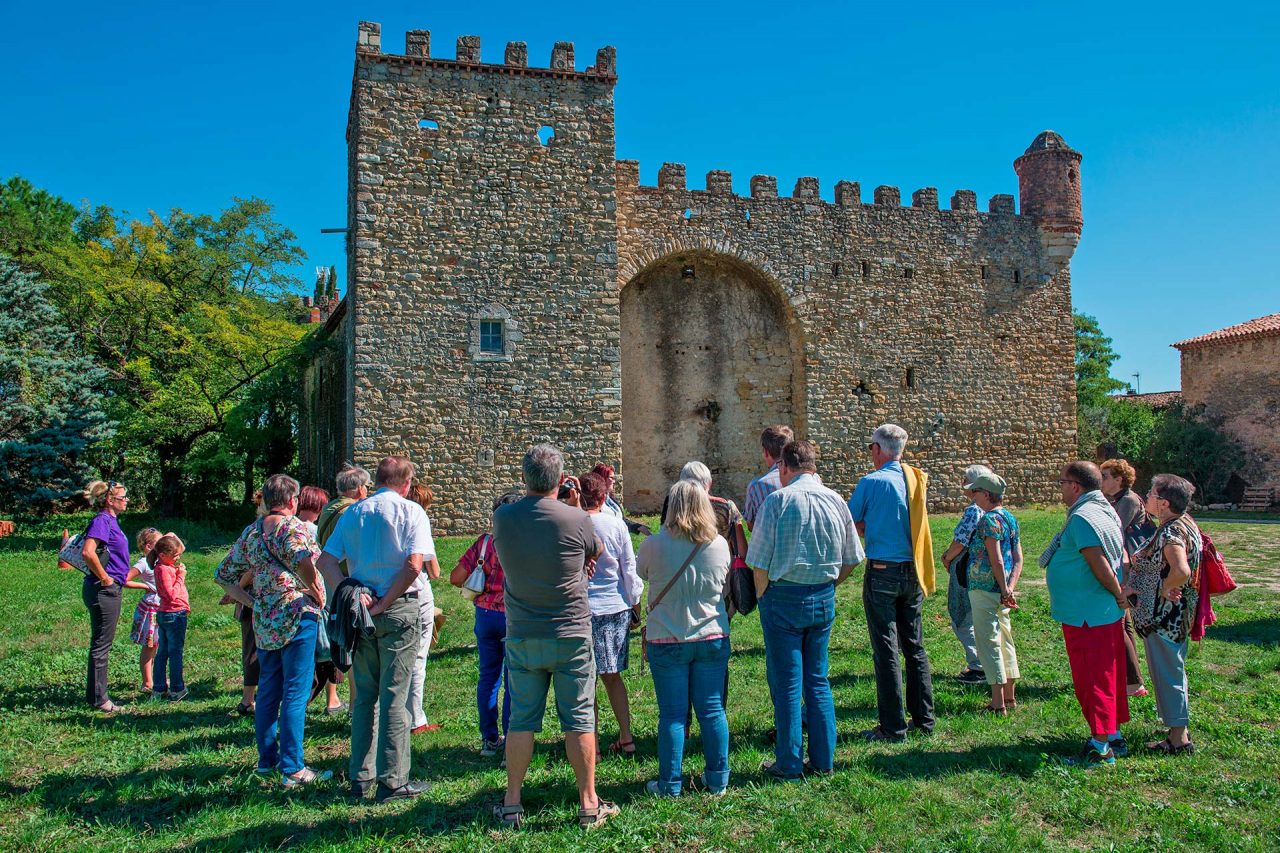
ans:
(1097, 658)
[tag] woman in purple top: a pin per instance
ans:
(106, 553)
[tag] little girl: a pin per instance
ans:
(171, 585)
(144, 631)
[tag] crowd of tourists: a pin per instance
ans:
(327, 587)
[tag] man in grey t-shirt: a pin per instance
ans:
(548, 551)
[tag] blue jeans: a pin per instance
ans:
(284, 685)
(684, 673)
(172, 628)
(797, 628)
(491, 636)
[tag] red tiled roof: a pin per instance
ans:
(1156, 400)
(1263, 327)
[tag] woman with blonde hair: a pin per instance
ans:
(106, 553)
(687, 637)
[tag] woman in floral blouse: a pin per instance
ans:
(1164, 576)
(287, 595)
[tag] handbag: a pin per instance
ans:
(1217, 580)
(72, 553)
(960, 565)
(742, 587)
(473, 586)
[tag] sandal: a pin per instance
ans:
(627, 749)
(109, 708)
(993, 710)
(591, 818)
(305, 776)
(243, 710)
(1166, 747)
(510, 817)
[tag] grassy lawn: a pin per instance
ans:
(164, 777)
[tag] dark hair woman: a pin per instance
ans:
(103, 582)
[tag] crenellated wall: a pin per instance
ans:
(953, 323)
(511, 282)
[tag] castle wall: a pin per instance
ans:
(473, 220)
(899, 322)
(323, 428)
(1238, 383)
(509, 286)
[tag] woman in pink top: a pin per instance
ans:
(171, 617)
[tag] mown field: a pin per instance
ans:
(165, 777)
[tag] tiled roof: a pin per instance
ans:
(1157, 400)
(1263, 327)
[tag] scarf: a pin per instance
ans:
(1097, 512)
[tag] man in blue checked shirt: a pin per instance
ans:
(803, 545)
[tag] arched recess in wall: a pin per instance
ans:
(712, 352)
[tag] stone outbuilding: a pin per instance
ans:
(1234, 374)
(510, 282)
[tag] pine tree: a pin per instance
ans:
(51, 397)
(332, 291)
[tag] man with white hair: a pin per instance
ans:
(888, 507)
(956, 556)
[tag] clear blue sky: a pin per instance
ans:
(1174, 105)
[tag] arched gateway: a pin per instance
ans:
(710, 354)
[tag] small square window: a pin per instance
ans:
(491, 338)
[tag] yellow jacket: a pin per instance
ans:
(921, 537)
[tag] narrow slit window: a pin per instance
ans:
(1017, 276)
(908, 273)
(835, 270)
(984, 272)
(546, 133)
(866, 268)
(429, 125)
(911, 377)
(688, 214)
(491, 337)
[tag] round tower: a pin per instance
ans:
(1049, 192)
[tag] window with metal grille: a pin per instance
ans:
(491, 337)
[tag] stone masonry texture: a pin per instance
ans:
(647, 326)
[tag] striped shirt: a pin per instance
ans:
(804, 534)
(757, 490)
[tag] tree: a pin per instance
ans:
(1188, 444)
(1094, 384)
(51, 398)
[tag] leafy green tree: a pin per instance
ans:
(51, 399)
(1094, 384)
(1186, 443)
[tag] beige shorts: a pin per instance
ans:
(534, 664)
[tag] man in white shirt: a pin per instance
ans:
(385, 540)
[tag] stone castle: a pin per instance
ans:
(511, 282)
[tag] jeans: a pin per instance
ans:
(962, 619)
(491, 636)
(426, 629)
(797, 628)
(382, 669)
(892, 599)
(104, 614)
(172, 628)
(284, 685)
(685, 674)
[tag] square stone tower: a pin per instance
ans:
(482, 253)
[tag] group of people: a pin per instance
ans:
(557, 588)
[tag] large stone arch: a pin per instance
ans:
(712, 352)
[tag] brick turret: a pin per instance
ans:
(1049, 191)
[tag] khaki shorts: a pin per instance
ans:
(534, 664)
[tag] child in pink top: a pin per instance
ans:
(171, 585)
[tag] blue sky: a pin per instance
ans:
(1175, 107)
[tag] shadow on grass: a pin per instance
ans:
(1253, 632)
(1022, 759)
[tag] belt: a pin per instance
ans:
(889, 564)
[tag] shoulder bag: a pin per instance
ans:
(473, 586)
(644, 637)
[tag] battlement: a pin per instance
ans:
(417, 51)
(671, 178)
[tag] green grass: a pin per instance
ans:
(167, 777)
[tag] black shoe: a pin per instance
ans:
(879, 734)
(810, 770)
(359, 790)
(972, 676)
(407, 791)
(913, 729)
(771, 771)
